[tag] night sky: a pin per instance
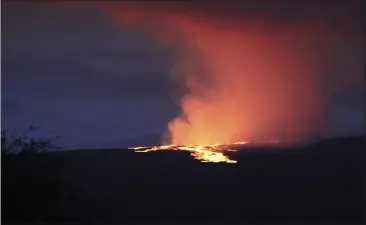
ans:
(76, 71)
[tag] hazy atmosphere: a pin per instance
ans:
(97, 74)
(240, 112)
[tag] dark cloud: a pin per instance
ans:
(77, 74)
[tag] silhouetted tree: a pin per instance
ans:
(30, 185)
(24, 143)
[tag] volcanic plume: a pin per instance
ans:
(248, 71)
(238, 80)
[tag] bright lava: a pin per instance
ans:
(203, 153)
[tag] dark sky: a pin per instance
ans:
(78, 73)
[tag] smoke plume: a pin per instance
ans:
(242, 77)
(254, 70)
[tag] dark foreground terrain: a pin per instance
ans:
(320, 183)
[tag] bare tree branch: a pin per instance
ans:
(24, 143)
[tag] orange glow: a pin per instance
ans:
(205, 153)
(240, 79)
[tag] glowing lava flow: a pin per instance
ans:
(203, 153)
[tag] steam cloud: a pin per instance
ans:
(260, 72)
(249, 78)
